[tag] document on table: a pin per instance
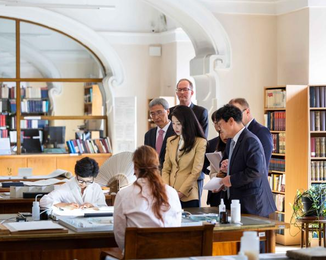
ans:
(80, 212)
(32, 226)
(214, 184)
(214, 159)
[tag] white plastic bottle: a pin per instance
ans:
(235, 212)
(250, 245)
(36, 209)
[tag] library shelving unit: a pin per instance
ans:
(285, 110)
(317, 135)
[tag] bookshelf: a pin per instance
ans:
(317, 134)
(285, 111)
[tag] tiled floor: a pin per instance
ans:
(282, 249)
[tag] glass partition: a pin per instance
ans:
(46, 53)
(7, 48)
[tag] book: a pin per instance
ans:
(88, 224)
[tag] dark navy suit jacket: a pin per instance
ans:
(265, 137)
(150, 140)
(248, 175)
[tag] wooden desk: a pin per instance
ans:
(71, 245)
(13, 205)
(88, 245)
(227, 237)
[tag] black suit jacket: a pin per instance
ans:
(248, 175)
(201, 114)
(265, 137)
(150, 140)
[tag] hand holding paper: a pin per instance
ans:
(214, 184)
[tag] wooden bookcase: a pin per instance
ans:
(317, 134)
(295, 154)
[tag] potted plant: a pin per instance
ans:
(310, 203)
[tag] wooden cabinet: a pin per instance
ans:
(44, 164)
(289, 124)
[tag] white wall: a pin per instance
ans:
(293, 48)
(253, 65)
(317, 46)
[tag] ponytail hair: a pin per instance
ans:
(146, 162)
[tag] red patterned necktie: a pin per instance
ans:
(159, 141)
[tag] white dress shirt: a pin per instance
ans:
(132, 209)
(70, 192)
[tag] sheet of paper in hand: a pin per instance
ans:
(214, 184)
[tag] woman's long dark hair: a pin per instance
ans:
(146, 162)
(190, 126)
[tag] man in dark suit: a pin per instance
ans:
(262, 132)
(246, 176)
(185, 91)
(159, 111)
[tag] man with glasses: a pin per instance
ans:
(246, 178)
(156, 137)
(262, 132)
(80, 191)
(184, 92)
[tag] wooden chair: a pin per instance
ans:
(148, 243)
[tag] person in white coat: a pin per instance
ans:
(148, 202)
(79, 192)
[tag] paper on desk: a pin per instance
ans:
(79, 212)
(214, 159)
(46, 182)
(214, 184)
(32, 225)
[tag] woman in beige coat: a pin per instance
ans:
(184, 157)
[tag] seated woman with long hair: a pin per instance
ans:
(148, 202)
(184, 156)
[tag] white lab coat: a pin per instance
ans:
(133, 210)
(70, 192)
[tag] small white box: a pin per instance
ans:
(25, 172)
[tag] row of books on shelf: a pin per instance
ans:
(277, 182)
(317, 146)
(29, 123)
(318, 170)
(275, 120)
(25, 92)
(277, 164)
(4, 105)
(31, 106)
(89, 146)
(3, 120)
(3, 133)
(278, 143)
(280, 217)
(317, 120)
(275, 98)
(279, 201)
(89, 97)
(317, 96)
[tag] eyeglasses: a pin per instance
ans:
(80, 181)
(157, 113)
(179, 90)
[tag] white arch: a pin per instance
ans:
(80, 32)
